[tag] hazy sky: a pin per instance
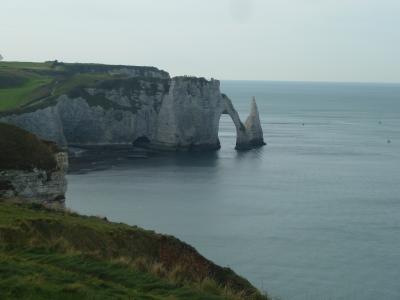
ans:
(322, 40)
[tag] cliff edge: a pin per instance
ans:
(31, 170)
(90, 104)
(49, 254)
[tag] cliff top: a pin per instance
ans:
(21, 150)
(62, 255)
(25, 85)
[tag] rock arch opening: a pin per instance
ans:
(226, 132)
(248, 135)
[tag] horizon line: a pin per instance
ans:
(211, 77)
(314, 81)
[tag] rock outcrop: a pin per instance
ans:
(253, 127)
(189, 116)
(30, 169)
(180, 113)
(245, 136)
(37, 185)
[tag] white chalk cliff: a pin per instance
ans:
(180, 113)
(37, 185)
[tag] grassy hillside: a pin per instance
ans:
(26, 86)
(59, 255)
(21, 150)
(17, 87)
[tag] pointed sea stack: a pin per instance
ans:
(250, 134)
(253, 127)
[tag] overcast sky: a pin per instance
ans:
(318, 40)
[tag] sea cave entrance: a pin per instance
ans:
(142, 141)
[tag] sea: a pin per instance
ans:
(315, 214)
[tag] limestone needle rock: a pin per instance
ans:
(253, 126)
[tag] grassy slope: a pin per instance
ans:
(31, 82)
(20, 149)
(39, 274)
(39, 82)
(26, 86)
(58, 255)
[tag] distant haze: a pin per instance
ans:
(307, 40)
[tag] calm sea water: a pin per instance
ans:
(313, 215)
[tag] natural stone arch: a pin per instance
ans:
(248, 135)
(228, 109)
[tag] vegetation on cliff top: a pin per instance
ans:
(48, 254)
(21, 150)
(26, 86)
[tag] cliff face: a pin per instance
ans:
(30, 169)
(48, 187)
(189, 115)
(180, 113)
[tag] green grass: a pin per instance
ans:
(18, 86)
(15, 97)
(41, 274)
(26, 86)
(77, 80)
(48, 254)
(25, 65)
